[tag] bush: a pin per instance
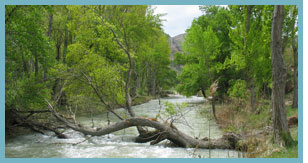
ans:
(238, 89)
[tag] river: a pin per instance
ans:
(120, 144)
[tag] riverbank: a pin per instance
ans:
(256, 129)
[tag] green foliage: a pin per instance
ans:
(27, 57)
(77, 51)
(202, 47)
(26, 94)
(238, 89)
(171, 110)
(95, 71)
(189, 80)
(179, 58)
(208, 44)
(251, 54)
(153, 65)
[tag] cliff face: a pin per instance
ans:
(176, 44)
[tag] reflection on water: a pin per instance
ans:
(120, 144)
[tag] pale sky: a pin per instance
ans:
(178, 18)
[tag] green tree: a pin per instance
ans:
(202, 49)
(154, 62)
(202, 46)
(27, 57)
(251, 54)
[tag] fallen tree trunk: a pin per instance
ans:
(164, 131)
(14, 119)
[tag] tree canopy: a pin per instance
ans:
(77, 54)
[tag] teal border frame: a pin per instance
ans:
(153, 2)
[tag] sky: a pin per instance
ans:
(178, 18)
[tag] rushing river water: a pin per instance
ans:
(120, 144)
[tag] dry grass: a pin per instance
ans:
(254, 127)
(231, 117)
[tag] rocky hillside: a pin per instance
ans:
(176, 43)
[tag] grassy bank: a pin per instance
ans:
(256, 129)
(289, 152)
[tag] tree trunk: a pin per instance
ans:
(58, 80)
(13, 118)
(50, 21)
(253, 97)
(213, 107)
(252, 87)
(249, 8)
(280, 125)
(25, 66)
(213, 103)
(137, 85)
(203, 93)
(36, 65)
(247, 25)
(65, 44)
(153, 92)
(126, 48)
(128, 98)
(127, 88)
(58, 46)
(295, 90)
